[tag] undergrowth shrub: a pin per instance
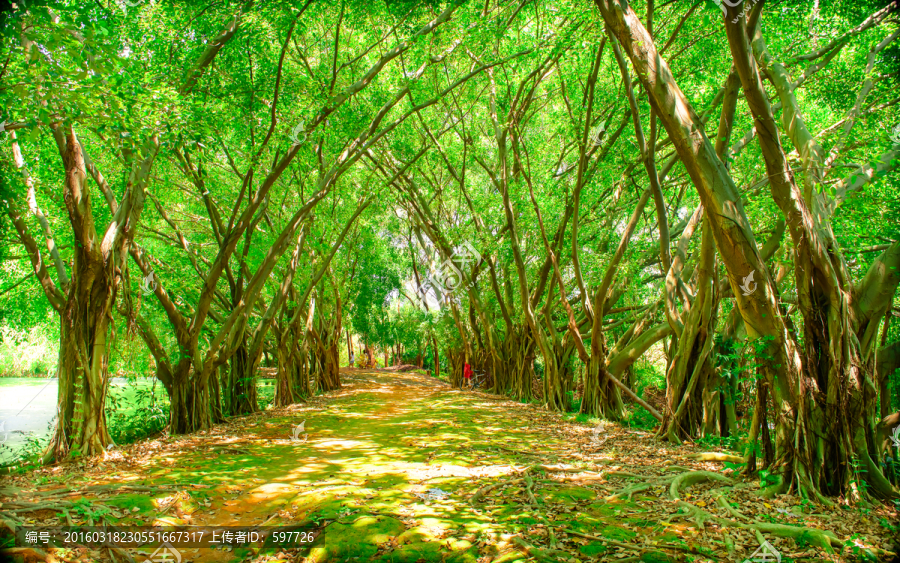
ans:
(134, 411)
(638, 417)
(27, 353)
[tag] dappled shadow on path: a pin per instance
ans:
(402, 467)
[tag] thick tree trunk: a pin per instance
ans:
(559, 377)
(436, 359)
(216, 383)
(457, 360)
(325, 345)
(822, 419)
(688, 395)
(285, 391)
(243, 383)
(327, 370)
(370, 356)
(601, 396)
(190, 408)
(887, 361)
(86, 306)
(514, 373)
(83, 381)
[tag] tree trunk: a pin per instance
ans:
(601, 396)
(457, 359)
(243, 382)
(437, 359)
(822, 419)
(514, 372)
(83, 380)
(284, 377)
(325, 341)
(887, 361)
(190, 409)
(688, 396)
(370, 356)
(218, 415)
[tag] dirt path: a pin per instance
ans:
(401, 468)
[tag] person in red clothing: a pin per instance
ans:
(467, 373)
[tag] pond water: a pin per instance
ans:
(28, 407)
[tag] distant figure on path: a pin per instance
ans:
(352, 358)
(467, 373)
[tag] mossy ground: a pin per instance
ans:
(361, 473)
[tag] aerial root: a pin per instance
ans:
(628, 491)
(675, 482)
(722, 501)
(685, 480)
(824, 539)
(780, 486)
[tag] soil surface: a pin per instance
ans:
(401, 468)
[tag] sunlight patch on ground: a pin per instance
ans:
(422, 472)
(339, 444)
(270, 489)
